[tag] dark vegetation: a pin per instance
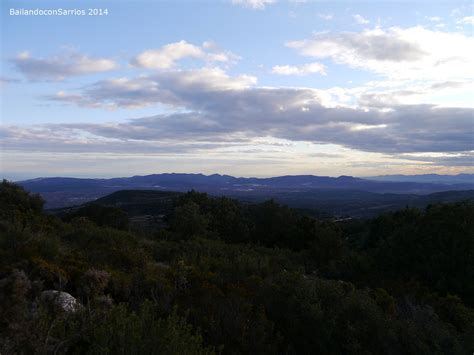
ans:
(225, 277)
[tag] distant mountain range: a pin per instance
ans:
(306, 191)
(427, 178)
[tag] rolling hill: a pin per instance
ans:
(321, 203)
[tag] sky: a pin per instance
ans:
(239, 87)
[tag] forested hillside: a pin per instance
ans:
(224, 277)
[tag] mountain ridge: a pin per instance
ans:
(68, 191)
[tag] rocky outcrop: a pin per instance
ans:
(60, 301)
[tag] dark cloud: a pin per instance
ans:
(216, 110)
(219, 108)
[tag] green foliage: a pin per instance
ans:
(125, 332)
(268, 224)
(435, 248)
(15, 201)
(188, 220)
(101, 215)
(233, 278)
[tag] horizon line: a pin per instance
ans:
(223, 174)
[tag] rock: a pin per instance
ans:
(61, 301)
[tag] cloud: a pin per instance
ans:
(465, 159)
(455, 12)
(60, 67)
(168, 55)
(405, 112)
(82, 139)
(449, 85)
(254, 4)
(385, 94)
(6, 80)
(433, 130)
(169, 88)
(468, 20)
(435, 19)
(326, 17)
(360, 20)
(212, 106)
(311, 68)
(352, 47)
(396, 53)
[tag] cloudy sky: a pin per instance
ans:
(242, 87)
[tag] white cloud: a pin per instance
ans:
(468, 20)
(435, 19)
(23, 55)
(455, 12)
(384, 95)
(168, 55)
(360, 20)
(254, 4)
(396, 53)
(152, 90)
(61, 66)
(310, 68)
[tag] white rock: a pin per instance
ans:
(62, 301)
